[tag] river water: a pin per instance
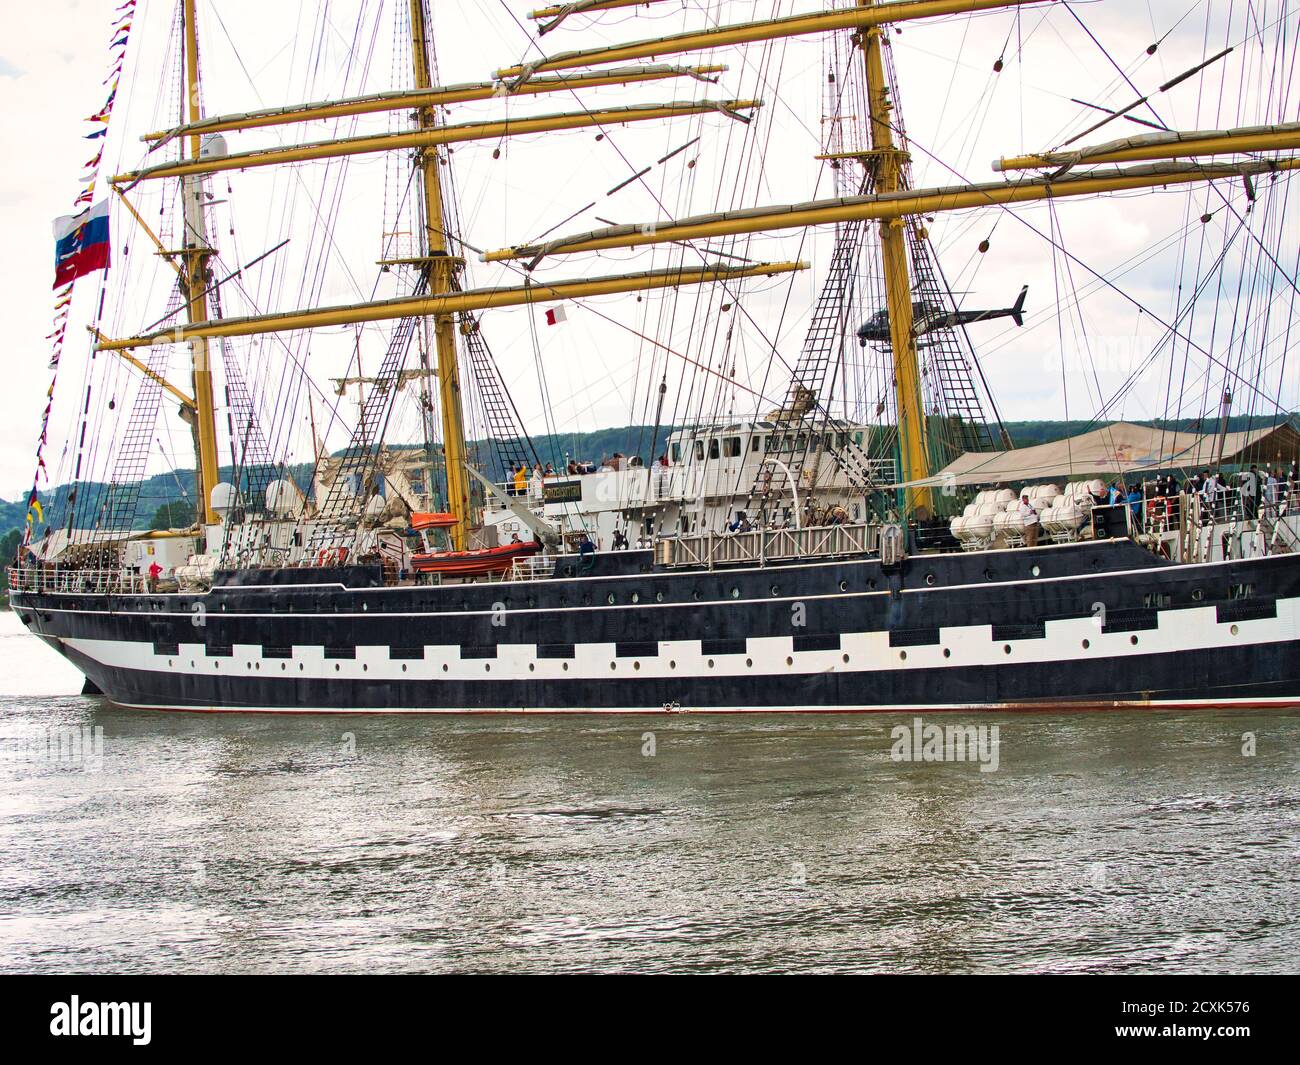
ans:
(216, 843)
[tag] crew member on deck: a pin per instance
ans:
(1030, 516)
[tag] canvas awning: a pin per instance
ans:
(1117, 449)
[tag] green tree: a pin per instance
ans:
(176, 514)
(8, 548)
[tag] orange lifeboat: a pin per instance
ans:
(488, 561)
(432, 520)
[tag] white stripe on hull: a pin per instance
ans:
(959, 647)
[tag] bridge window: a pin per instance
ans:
(731, 447)
(841, 439)
(699, 451)
(755, 442)
(677, 452)
(713, 447)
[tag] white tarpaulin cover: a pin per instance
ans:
(1119, 449)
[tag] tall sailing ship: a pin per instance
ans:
(852, 529)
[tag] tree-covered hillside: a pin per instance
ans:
(170, 495)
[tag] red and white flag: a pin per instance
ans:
(555, 316)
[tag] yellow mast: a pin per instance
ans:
(442, 271)
(886, 162)
(405, 100)
(460, 302)
(428, 137)
(1093, 182)
(751, 32)
(197, 252)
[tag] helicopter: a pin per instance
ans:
(928, 316)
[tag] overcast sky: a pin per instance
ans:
(593, 371)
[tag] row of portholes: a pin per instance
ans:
(612, 599)
(1006, 647)
(672, 664)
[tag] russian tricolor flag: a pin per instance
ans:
(81, 244)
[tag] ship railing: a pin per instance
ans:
(761, 546)
(533, 568)
(68, 580)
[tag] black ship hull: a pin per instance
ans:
(1084, 625)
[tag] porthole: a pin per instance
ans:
(844, 586)
(775, 589)
(1087, 644)
(659, 597)
(988, 574)
(300, 667)
(336, 667)
(445, 667)
(636, 597)
(586, 600)
(696, 595)
(613, 665)
(610, 599)
(1036, 571)
(403, 667)
(283, 666)
(789, 661)
(947, 653)
(636, 665)
(846, 659)
(929, 578)
(257, 665)
(487, 667)
(1006, 648)
(191, 665)
(365, 667)
(531, 601)
(872, 584)
(1133, 640)
(735, 593)
(672, 664)
(710, 663)
(365, 606)
(1197, 595)
(531, 667)
(249, 664)
(1234, 630)
(749, 662)
(566, 667)
(902, 656)
(169, 663)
